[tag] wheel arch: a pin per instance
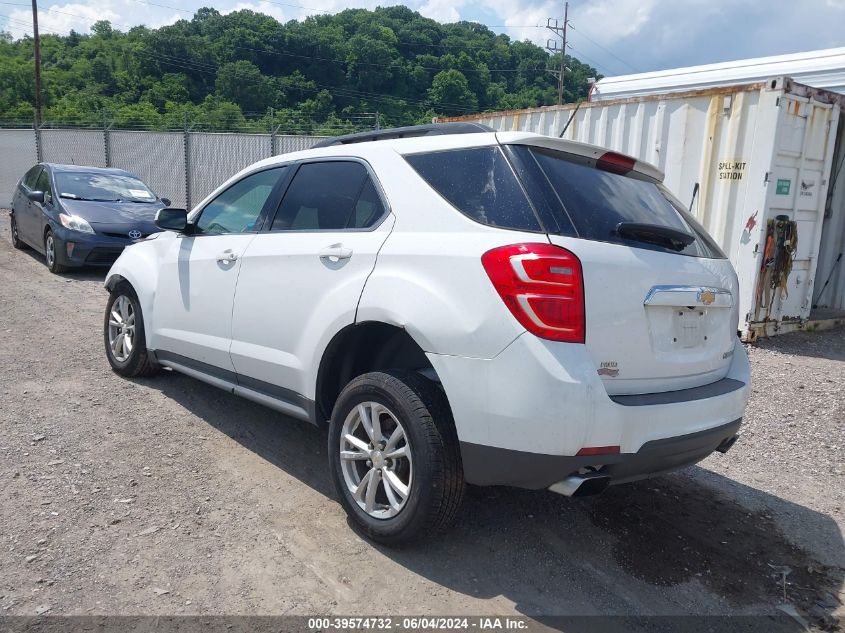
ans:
(137, 269)
(360, 348)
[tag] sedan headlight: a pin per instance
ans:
(75, 223)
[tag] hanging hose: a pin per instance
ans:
(776, 265)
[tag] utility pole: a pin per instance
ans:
(553, 24)
(37, 42)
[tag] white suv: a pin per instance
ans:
(460, 305)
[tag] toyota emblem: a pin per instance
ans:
(135, 234)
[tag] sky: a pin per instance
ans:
(617, 37)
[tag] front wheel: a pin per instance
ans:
(394, 456)
(50, 246)
(123, 334)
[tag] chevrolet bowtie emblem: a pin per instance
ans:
(706, 297)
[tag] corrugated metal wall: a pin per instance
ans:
(184, 167)
(831, 264)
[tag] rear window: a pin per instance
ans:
(480, 183)
(589, 203)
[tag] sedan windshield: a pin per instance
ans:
(102, 187)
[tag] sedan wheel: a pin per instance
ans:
(17, 242)
(50, 254)
(122, 329)
(50, 250)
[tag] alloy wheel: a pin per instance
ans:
(50, 250)
(121, 329)
(375, 456)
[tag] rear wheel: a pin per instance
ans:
(17, 242)
(50, 246)
(394, 456)
(123, 334)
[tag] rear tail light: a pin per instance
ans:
(615, 163)
(543, 287)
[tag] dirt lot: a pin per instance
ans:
(166, 496)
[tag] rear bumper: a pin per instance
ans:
(523, 416)
(492, 466)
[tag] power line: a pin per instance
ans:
(592, 62)
(607, 50)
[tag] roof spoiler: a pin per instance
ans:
(432, 129)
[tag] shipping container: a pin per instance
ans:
(753, 162)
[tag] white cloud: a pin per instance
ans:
(613, 19)
(166, 21)
(273, 10)
(441, 10)
(61, 18)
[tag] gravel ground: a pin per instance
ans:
(166, 496)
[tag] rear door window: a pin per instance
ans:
(329, 196)
(595, 201)
(480, 183)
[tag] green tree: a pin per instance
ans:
(318, 73)
(450, 92)
(241, 82)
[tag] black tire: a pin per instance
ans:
(51, 246)
(17, 242)
(437, 486)
(139, 362)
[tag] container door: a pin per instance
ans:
(796, 193)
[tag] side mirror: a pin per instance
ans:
(36, 196)
(166, 201)
(172, 219)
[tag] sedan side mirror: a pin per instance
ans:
(172, 219)
(36, 196)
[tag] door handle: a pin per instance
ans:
(227, 257)
(335, 252)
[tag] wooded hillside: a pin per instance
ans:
(325, 74)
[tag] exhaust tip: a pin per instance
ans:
(581, 485)
(726, 444)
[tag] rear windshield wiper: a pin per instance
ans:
(655, 234)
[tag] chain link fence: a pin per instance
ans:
(182, 166)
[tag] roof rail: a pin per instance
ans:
(410, 131)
